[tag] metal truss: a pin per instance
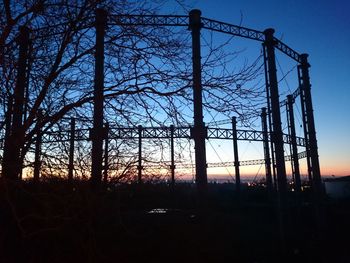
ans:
(63, 136)
(247, 135)
(166, 165)
(288, 140)
(164, 133)
(295, 94)
(241, 163)
(221, 122)
(244, 135)
(177, 20)
(287, 50)
(301, 155)
(232, 29)
(148, 20)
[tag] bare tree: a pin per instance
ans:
(147, 71)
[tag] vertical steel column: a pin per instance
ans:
(305, 126)
(105, 171)
(71, 150)
(29, 66)
(37, 161)
(266, 151)
(139, 166)
(295, 159)
(199, 130)
(269, 117)
(235, 153)
(172, 156)
(12, 160)
(97, 131)
(311, 135)
(276, 134)
(7, 139)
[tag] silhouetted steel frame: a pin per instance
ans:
(175, 20)
(309, 142)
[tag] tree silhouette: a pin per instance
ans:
(147, 72)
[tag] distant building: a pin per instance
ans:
(338, 187)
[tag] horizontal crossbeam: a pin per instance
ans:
(148, 20)
(301, 155)
(287, 50)
(180, 20)
(233, 29)
(166, 165)
(165, 133)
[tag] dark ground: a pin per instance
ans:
(53, 223)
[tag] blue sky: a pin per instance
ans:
(321, 29)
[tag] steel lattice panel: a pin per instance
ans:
(232, 29)
(149, 20)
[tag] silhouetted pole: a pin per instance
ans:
(97, 131)
(12, 155)
(172, 155)
(310, 136)
(310, 123)
(305, 126)
(29, 66)
(7, 138)
(199, 130)
(276, 134)
(105, 171)
(295, 159)
(235, 153)
(139, 166)
(71, 150)
(37, 161)
(269, 118)
(266, 151)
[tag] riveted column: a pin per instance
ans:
(305, 126)
(7, 138)
(172, 155)
(295, 159)
(276, 133)
(37, 158)
(311, 136)
(139, 166)
(235, 153)
(199, 130)
(266, 151)
(97, 131)
(71, 150)
(105, 170)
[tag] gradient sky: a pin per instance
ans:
(321, 29)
